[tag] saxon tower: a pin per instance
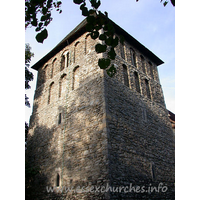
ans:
(88, 129)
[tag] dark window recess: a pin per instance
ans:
(137, 84)
(143, 64)
(153, 171)
(147, 88)
(67, 59)
(125, 74)
(122, 51)
(133, 58)
(144, 114)
(151, 69)
(62, 63)
(59, 118)
(58, 180)
(50, 91)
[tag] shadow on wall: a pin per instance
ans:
(141, 146)
(65, 154)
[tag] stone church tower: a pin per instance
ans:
(103, 135)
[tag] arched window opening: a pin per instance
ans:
(151, 69)
(125, 75)
(58, 180)
(59, 118)
(76, 78)
(133, 61)
(53, 67)
(61, 85)
(122, 51)
(143, 64)
(75, 47)
(86, 43)
(50, 92)
(147, 89)
(67, 61)
(45, 73)
(137, 84)
(62, 63)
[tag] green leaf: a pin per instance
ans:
(121, 38)
(115, 42)
(173, 2)
(94, 35)
(77, 1)
(112, 54)
(111, 71)
(89, 27)
(96, 4)
(82, 5)
(165, 3)
(109, 29)
(102, 37)
(84, 10)
(98, 27)
(43, 18)
(91, 19)
(104, 63)
(92, 11)
(106, 14)
(34, 22)
(59, 3)
(109, 41)
(40, 37)
(99, 48)
(44, 10)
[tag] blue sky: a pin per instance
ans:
(149, 22)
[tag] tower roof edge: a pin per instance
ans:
(80, 29)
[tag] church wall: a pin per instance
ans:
(89, 129)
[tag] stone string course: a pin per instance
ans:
(108, 133)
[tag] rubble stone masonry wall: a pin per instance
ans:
(89, 129)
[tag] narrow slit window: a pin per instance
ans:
(147, 88)
(137, 84)
(50, 92)
(144, 114)
(143, 64)
(53, 67)
(76, 77)
(59, 118)
(125, 74)
(58, 180)
(86, 43)
(133, 58)
(75, 47)
(67, 62)
(122, 51)
(62, 63)
(152, 169)
(151, 69)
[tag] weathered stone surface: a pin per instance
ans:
(93, 130)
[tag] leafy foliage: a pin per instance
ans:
(26, 131)
(100, 27)
(44, 8)
(28, 74)
(31, 174)
(166, 2)
(28, 77)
